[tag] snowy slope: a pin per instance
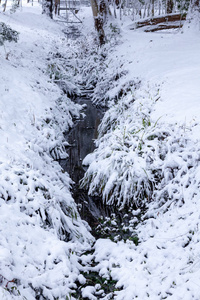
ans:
(171, 60)
(38, 214)
(149, 142)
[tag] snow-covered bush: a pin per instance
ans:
(7, 34)
(80, 66)
(85, 68)
(100, 74)
(121, 167)
(41, 232)
(62, 70)
(138, 159)
(40, 225)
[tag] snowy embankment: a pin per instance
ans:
(148, 154)
(37, 212)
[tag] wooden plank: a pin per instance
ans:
(160, 19)
(163, 27)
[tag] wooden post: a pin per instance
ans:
(4, 9)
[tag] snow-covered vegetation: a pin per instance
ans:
(41, 230)
(147, 158)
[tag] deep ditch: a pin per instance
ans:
(105, 221)
(81, 140)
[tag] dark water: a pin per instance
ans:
(81, 138)
(91, 209)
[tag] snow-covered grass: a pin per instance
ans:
(126, 165)
(148, 154)
(142, 159)
(40, 229)
(138, 142)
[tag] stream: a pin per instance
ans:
(105, 221)
(81, 139)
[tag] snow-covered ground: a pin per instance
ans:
(38, 214)
(147, 151)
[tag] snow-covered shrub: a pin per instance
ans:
(38, 214)
(101, 75)
(121, 167)
(61, 70)
(180, 169)
(138, 159)
(85, 67)
(41, 232)
(89, 62)
(77, 67)
(40, 225)
(7, 34)
(15, 6)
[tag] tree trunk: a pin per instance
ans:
(99, 14)
(5, 6)
(170, 6)
(152, 8)
(47, 8)
(196, 4)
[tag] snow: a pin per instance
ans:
(167, 59)
(151, 133)
(40, 228)
(147, 152)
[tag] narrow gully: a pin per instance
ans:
(81, 138)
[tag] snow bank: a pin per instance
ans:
(40, 228)
(148, 153)
(153, 100)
